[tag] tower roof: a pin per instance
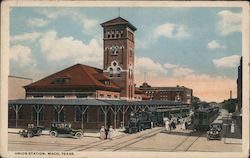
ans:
(118, 21)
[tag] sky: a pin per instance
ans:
(199, 48)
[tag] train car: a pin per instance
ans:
(152, 118)
(204, 117)
(139, 121)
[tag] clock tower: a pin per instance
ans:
(118, 54)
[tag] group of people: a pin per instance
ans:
(106, 133)
(171, 123)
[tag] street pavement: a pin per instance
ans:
(156, 139)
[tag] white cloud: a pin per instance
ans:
(215, 45)
(178, 70)
(25, 37)
(229, 22)
(145, 64)
(229, 61)
(56, 48)
(22, 55)
(37, 22)
(155, 69)
(170, 30)
(86, 22)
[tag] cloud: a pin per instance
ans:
(36, 22)
(63, 48)
(26, 37)
(22, 55)
(145, 64)
(229, 22)
(178, 70)
(155, 69)
(215, 45)
(170, 30)
(87, 23)
(227, 62)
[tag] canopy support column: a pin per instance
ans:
(58, 109)
(82, 110)
(16, 108)
(124, 110)
(38, 109)
(104, 110)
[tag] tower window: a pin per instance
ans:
(131, 52)
(111, 72)
(114, 50)
(121, 34)
(118, 72)
(117, 34)
(108, 34)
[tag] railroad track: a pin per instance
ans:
(122, 143)
(93, 144)
(185, 147)
(137, 140)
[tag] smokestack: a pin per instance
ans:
(230, 94)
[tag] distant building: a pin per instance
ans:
(178, 93)
(15, 87)
(239, 86)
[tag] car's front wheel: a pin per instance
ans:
(78, 134)
(39, 132)
(30, 134)
(53, 133)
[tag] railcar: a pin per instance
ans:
(204, 117)
(154, 117)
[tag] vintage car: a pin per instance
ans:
(64, 129)
(215, 131)
(31, 131)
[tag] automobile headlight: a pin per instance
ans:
(217, 132)
(211, 132)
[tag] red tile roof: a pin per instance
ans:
(118, 21)
(79, 76)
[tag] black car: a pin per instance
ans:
(31, 131)
(215, 132)
(64, 129)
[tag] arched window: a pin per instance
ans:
(111, 72)
(118, 72)
(114, 50)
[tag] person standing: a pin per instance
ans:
(106, 133)
(102, 133)
(166, 124)
(111, 133)
(184, 124)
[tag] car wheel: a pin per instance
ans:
(53, 133)
(78, 134)
(39, 132)
(29, 134)
(130, 131)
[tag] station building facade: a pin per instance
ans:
(80, 94)
(178, 93)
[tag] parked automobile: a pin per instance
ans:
(215, 131)
(31, 131)
(64, 129)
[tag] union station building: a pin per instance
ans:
(89, 97)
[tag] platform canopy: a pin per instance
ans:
(93, 102)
